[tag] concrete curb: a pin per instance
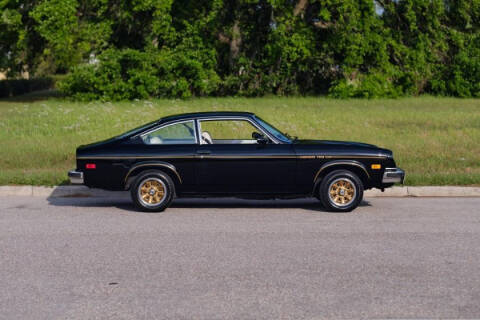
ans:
(56, 192)
(430, 191)
(82, 191)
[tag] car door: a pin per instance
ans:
(234, 162)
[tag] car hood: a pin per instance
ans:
(336, 143)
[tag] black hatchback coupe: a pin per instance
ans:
(231, 154)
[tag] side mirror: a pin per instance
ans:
(261, 139)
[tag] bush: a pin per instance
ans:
(366, 86)
(117, 76)
(132, 74)
(16, 87)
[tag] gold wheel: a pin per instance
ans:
(152, 192)
(342, 192)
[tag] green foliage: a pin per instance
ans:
(375, 85)
(132, 74)
(68, 39)
(183, 48)
(118, 75)
(461, 77)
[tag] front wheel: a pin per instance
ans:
(341, 191)
(152, 191)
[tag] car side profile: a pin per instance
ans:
(231, 154)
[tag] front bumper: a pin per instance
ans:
(393, 175)
(76, 177)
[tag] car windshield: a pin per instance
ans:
(273, 131)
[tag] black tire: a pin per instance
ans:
(340, 191)
(153, 180)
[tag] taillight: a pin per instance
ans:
(91, 166)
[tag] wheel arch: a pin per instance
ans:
(140, 167)
(351, 165)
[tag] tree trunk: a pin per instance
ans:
(235, 42)
(300, 7)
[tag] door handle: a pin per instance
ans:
(204, 151)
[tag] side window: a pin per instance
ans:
(177, 133)
(227, 132)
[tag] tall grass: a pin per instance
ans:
(436, 140)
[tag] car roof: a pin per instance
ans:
(213, 114)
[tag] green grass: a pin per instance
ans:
(436, 140)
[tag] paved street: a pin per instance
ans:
(87, 258)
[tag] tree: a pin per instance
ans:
(345, 48)
(19, 42)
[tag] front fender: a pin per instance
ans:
(340, 163)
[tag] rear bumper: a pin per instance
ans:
(393, 175)
(76, 177)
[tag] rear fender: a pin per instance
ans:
(149, 165)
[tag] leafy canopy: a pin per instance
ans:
(165, 48)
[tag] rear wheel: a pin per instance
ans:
(341, 191)
(152, 191)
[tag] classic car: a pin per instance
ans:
(231, 154)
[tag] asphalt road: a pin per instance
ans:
(86, 258)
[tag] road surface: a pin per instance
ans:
(92, 258)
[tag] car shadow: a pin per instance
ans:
(303, 203)
(92, 202)
(124, 203)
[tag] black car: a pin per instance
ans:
(232, 154)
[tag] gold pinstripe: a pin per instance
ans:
(229, 157)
